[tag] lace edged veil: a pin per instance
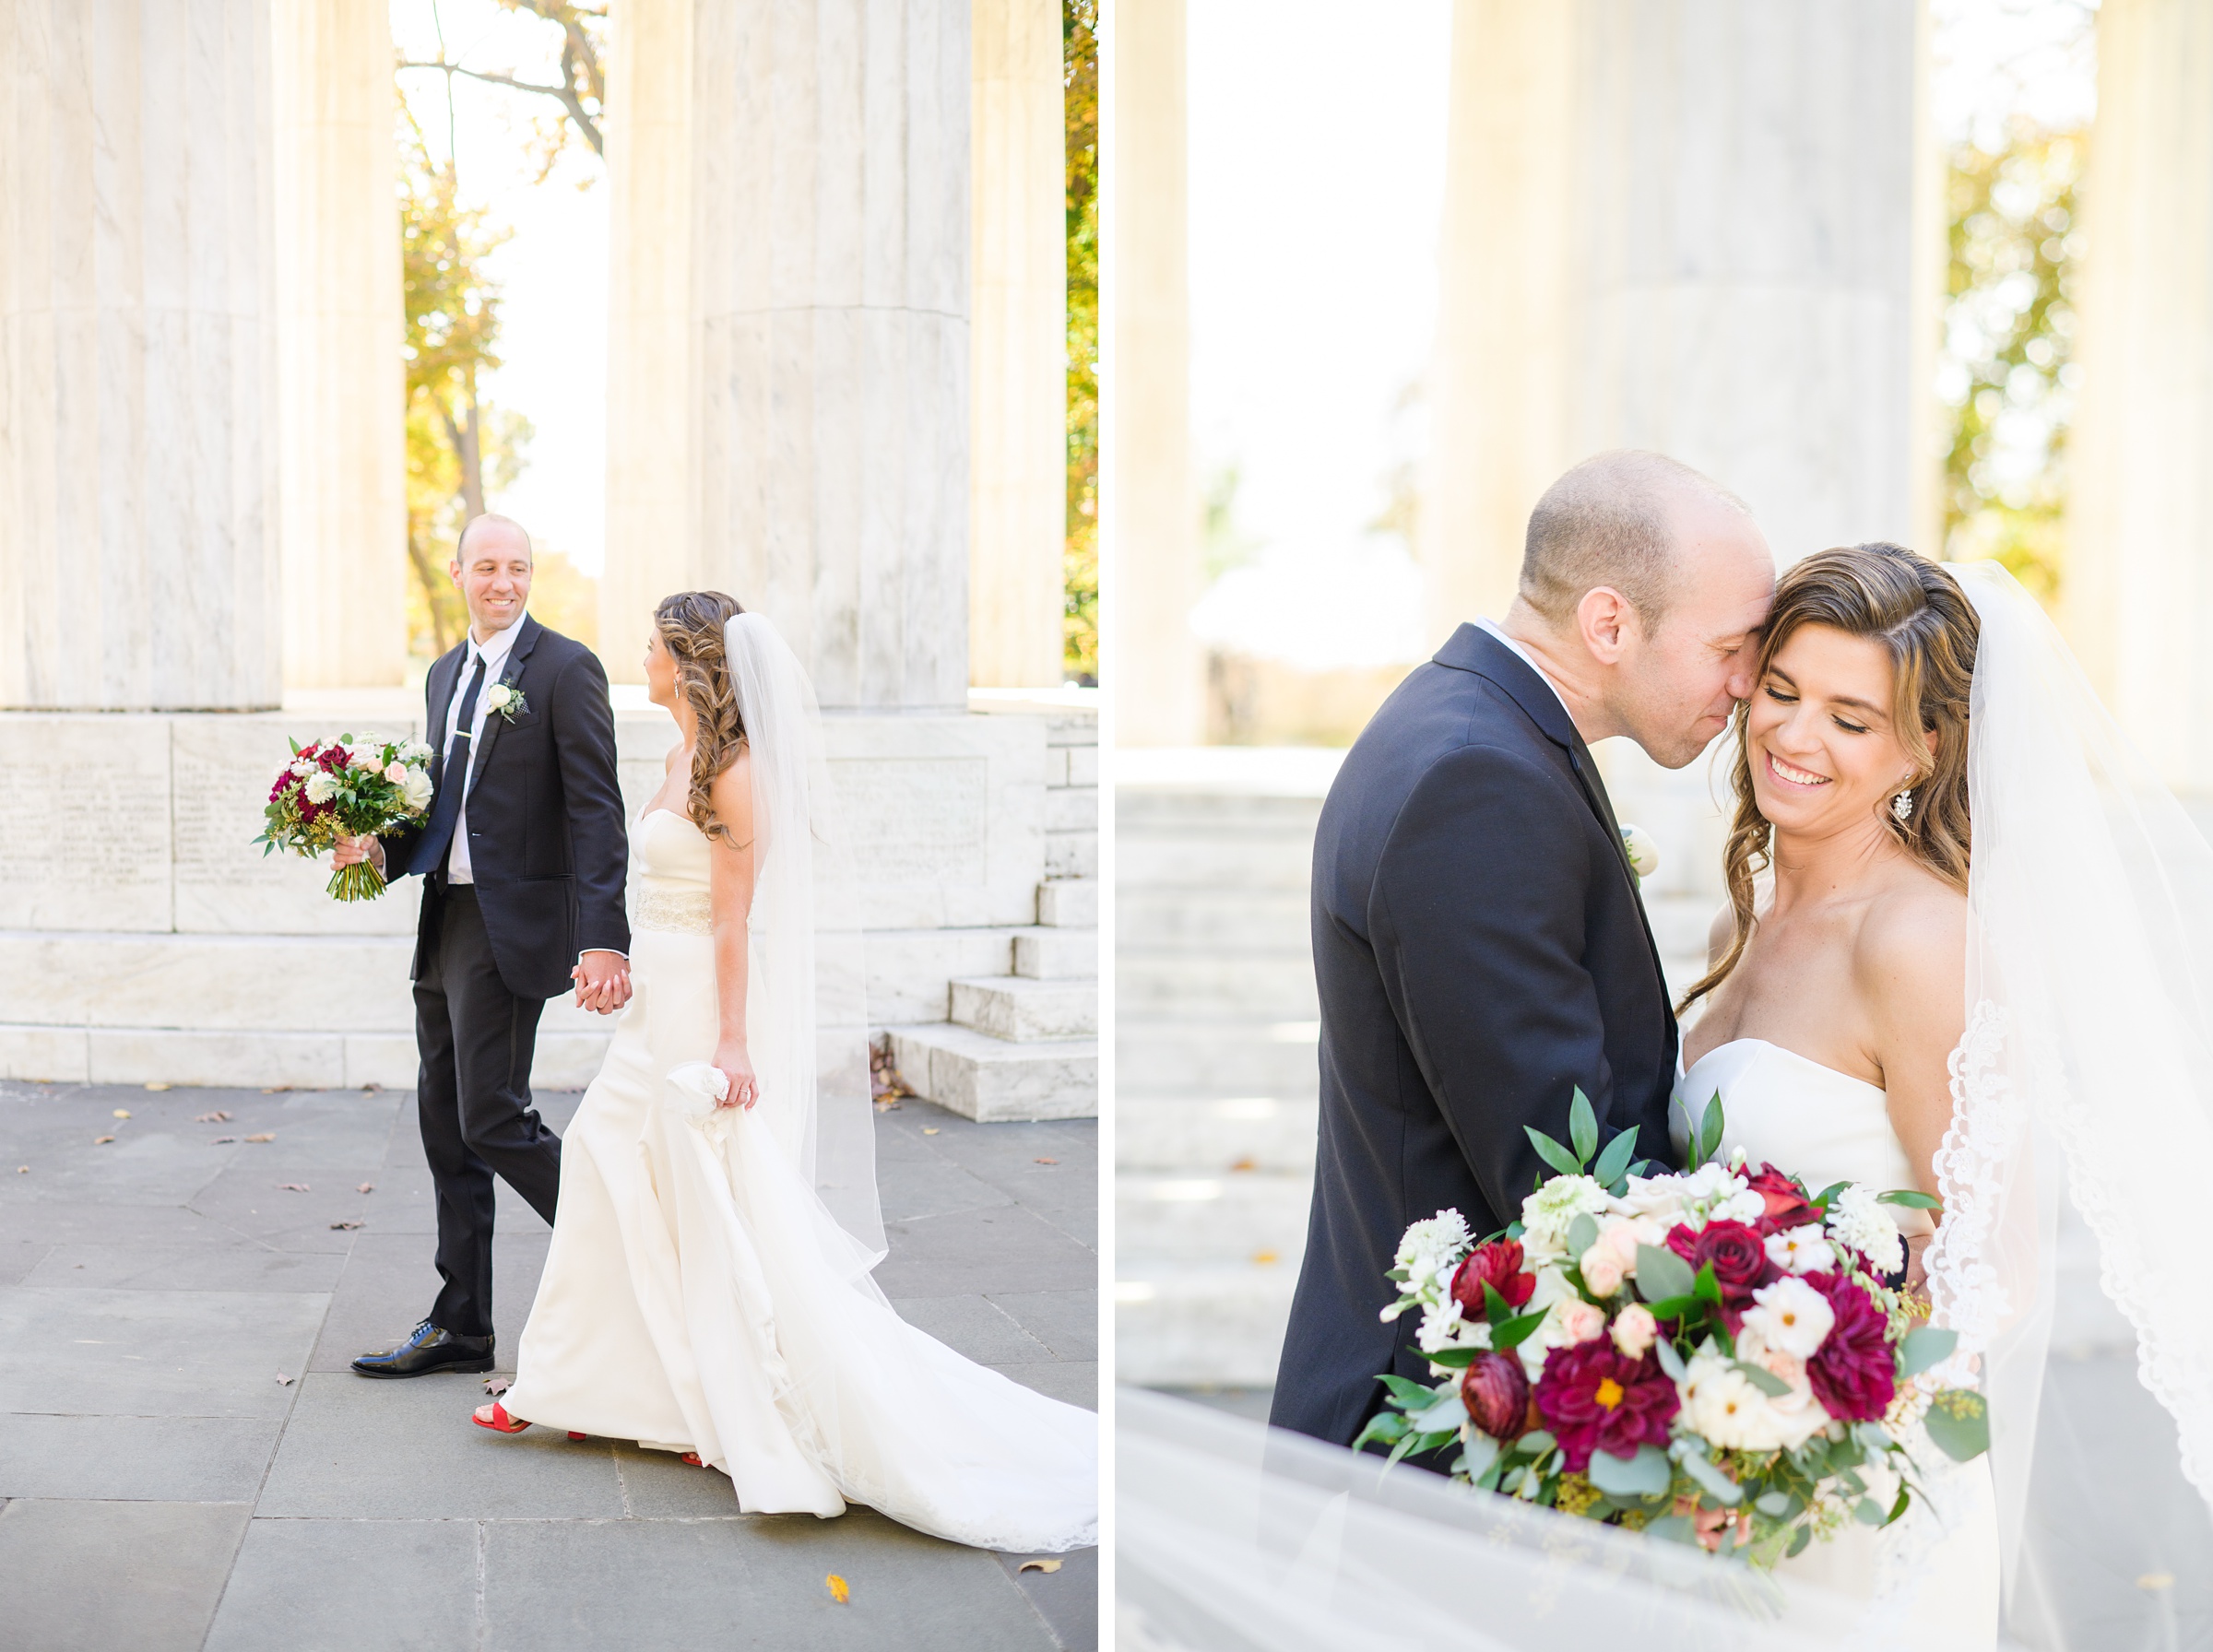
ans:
(806, 995)
(2085, 1079)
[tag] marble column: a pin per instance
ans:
(1020, 373)
(649, 319)
(2140, 571)
(1150, 505)
(830, 335)
(139, 533)
(1682, 228)
(341, 376)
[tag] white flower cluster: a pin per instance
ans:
(1724, 1405)
(1713, 1192)
(1857, 1221)
(1433, 1246)
(1549, 1212)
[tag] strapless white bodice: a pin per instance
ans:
(669, 873)
(1794, 1112)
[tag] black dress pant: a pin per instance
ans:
(473, 1099)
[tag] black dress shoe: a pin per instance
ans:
(431, 1348)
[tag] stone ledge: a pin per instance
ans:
(1175, 1327)
(990, 1080)
(1022, 1010)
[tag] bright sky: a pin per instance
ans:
(1317, 155)
(553, 315)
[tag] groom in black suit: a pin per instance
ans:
(1479, 941)
(523, 855)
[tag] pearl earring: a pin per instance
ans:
(1902, 806)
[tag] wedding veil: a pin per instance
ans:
(806, 1004)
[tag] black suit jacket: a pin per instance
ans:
(1481, 950)
(549, 844)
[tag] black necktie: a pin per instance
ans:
(453, 784)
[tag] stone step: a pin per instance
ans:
(1068, 903)
(1143, 809)
(1046, 953)
(1216, 1059)
(1215, 860)
(1192, 920)
(1214, 1136)
(992, 1081)
(1178, 986)
(1241, 1217)
(1026, 1011)
(1179, 1326)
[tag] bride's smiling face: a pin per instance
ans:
(1824, 748)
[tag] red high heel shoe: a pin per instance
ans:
(689, 1456)
(499, 1421)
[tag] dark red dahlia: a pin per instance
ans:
(1787, 1205)
(1854, 1372)
(1739, 1256)
(1497, 1265)
(1495, 1391)
(1594, 1398)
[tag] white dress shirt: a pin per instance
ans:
(494, 655)
(1497, 631)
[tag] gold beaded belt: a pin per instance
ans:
(674, 912)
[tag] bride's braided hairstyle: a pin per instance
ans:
(1925, 623)
(690, 623)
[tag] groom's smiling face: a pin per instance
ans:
(491, 570)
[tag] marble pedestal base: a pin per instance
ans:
(144, 938)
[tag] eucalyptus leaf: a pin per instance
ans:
(1804, 1536)
(1648, 1474)
(1582, 1128)
(1723, 1490)
(1614, 1163)
(1535, 1442)
(1553, 1153)
(1761, 1377)
(1444, 1417)
(1384, 1428)
(1482, 1452)
(1776, 1504)
(1672, 1528)
(1407, 1392)
(1582, 1234)
(1958, 1422)
(1454, 1359)
(1670, 1361)
(1661, 1274)
(1867, 1511)
(1923, 1346)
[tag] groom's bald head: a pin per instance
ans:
(1624, 521)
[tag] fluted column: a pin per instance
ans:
(1681, 228)
(649, 320)
(1019, 457)
(2140, 573)
(139, 563)
(1151, 520)
(830, 246)
(341, 378)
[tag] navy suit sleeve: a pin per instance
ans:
(584, 744)
(1478, 920)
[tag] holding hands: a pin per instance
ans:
(602, 982)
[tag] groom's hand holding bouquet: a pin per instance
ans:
(1712, 1356)
(342, 796)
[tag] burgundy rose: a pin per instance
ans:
(1594, 1398)
(1740, 1262)
(1497, 1265)
(1787, 1205)
(1495, 1391)
(1853, 1373)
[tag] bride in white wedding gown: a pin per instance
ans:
(707, 1289)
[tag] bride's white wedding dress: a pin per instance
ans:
(1826, 1126)
(698, 1296)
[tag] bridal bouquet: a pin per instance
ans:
(1712, 1357)
(346, 788)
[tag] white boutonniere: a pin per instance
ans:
(507, 699)
(1644, 855)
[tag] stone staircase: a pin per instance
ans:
(1024, 1044)
(1215, 1079)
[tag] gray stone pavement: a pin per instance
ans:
(160, 1488)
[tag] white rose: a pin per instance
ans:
(364, 756)
(498, 695)
(415, 790)
(1802, 1250)
(1655, 1196)
(1798, 1414)
(1602, 1269)
(1857, 1221)
(320, 787)
(1790, 1316)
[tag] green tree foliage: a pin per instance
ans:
(458, 447)
(1079, 70)
(2009, 328)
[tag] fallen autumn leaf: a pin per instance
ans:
(839, 1591)
(218, 1117)
(102, 1140)
(1038, 1566)
(265, 1135)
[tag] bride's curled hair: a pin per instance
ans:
(1920, 616)
(692, 626)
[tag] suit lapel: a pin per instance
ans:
(509, 673)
